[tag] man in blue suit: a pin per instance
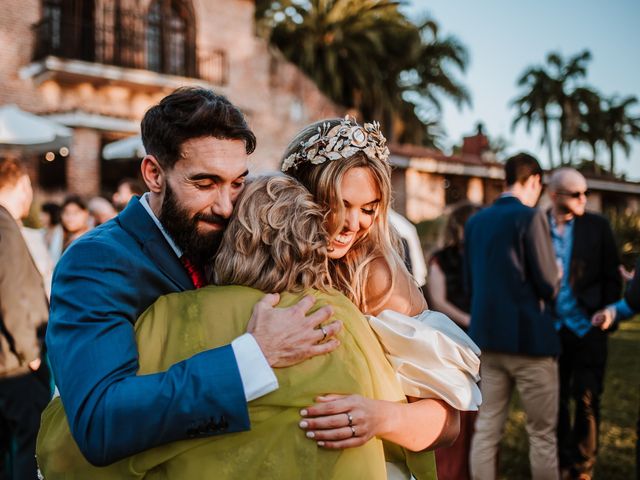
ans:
(197, 145)
(512, 274)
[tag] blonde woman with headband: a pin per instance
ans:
(276, 241)
(346, 168)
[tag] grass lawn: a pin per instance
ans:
(616, 459)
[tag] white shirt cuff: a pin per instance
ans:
(257, 376)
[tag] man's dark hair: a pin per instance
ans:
(520, 167)
(191, 113)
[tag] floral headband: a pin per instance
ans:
(340, 142)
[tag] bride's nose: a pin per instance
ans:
(352, 220)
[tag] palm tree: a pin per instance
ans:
(619, 126)
(592, 122)
(564, 75)
(429, 78)
(368, 56)
(350, 48)
(534, 105)
(547, 90)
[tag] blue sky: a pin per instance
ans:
(504, 37)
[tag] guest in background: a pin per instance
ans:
(585, 246)
(38, 249)
(101, 210)
(414, 258)
(446, 288)
(24, 377)
(127, 188)
(75, 219)
(446, 293)
(512, 275)
(52, 229)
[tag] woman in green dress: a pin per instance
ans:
(275, 242)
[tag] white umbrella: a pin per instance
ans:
(126, 148)
(24, 130)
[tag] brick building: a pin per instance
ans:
(97, 65)
(427, 182)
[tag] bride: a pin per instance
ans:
(345, 166)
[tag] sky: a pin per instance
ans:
(504, 37)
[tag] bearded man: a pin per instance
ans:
(585, 247)
(197, 145)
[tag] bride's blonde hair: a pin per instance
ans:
(349, 273)
(276, 240)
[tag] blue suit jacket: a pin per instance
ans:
(101, 285)
(511, 273)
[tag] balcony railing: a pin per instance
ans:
(127, 42)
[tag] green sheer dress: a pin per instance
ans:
(180, 325)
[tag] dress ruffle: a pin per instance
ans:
(432, 357)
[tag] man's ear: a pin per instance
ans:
(153, 174)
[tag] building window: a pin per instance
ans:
(154, 38)
(170, 42)
(160, 36)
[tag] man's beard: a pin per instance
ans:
(199, 248)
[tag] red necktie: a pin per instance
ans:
(197, 277)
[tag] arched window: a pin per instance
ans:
(170, 38)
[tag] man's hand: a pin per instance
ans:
(604, 318)
(287, 336)
(627, 275)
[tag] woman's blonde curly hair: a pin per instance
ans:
(276, 240)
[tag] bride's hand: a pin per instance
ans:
(343, 421)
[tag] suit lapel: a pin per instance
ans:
(577, 254)
(137, 222)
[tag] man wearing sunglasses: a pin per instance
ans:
(586, 251)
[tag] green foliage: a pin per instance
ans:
(626, 228)
(369, 56)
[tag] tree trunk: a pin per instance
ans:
(612, 158)
(549, 143)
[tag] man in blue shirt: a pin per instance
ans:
(586, 251)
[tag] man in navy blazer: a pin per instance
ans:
(197, 145)
(512, 274)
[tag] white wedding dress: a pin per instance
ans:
(433, 358)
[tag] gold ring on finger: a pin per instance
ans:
(350, 418)
(353, 431)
